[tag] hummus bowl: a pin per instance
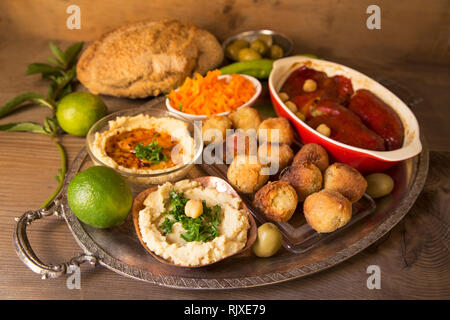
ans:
(185, 135)
(364, 160)
(237, 229)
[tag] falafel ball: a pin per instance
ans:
(346, 180)
(245, 118)
(276, 130)
(271, 154)
(327, 210)
(214, 129)
(306, 179)
(313, 153)
(277, 200)
(240, 143)
(245, 174)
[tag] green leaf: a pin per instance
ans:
(64, 91)
(51, 126)
(23, 127)
(61, 174)
(53, 61)
(57, 88)
(43, 68)
(59, 178)
(44, 103)
(18, 102)
(58, 53)
(72, 52)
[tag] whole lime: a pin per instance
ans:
(78, 111)
(100, 197)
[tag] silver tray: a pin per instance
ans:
(119, 249)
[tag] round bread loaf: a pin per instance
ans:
(147, 58)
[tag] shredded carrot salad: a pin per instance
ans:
(209, 95)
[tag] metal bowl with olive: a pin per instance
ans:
(258, 44)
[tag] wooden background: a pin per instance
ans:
(413, 30)
(410, 49)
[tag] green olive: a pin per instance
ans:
(379, 185)
(276, 52)
(268, 241)
(232, 50)
(248, 54)
(259, 46)
(267, 39)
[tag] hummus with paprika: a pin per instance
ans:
(144, 145)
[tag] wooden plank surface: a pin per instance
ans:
(414, 31)
(413, 257)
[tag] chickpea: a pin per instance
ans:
(309, 85)
(300, 115)
(193, 208)
(283, 96)
(291, 106)
(323, 129)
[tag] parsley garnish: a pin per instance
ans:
(167, 225)
(203, 228)
(152, 152)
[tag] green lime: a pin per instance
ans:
(100, 197)
(78, 111)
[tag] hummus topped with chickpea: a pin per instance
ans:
(191, 225)
(143, 144)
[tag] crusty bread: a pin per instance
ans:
(147, 58)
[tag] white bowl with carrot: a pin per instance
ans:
(214, 94)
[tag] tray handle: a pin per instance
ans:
(26, 253)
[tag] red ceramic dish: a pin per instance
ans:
(364, 160)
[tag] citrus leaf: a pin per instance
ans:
(72, 52)
(64, 91)
(58, 53)
(18, 102)
(43, 68)
(61, 174)
(50, 126)
(44, 103)
(23, 127)
(53, 61)
(58, 88)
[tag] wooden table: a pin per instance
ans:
(414, 257)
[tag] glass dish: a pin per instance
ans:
(140, 181)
